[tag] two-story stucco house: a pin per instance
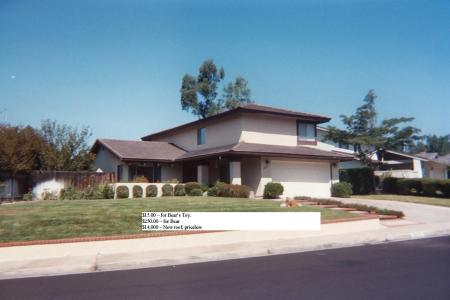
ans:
(249, 145)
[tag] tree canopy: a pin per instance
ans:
(52, 147)
(363, 130)
(199, 94)
(433, 144)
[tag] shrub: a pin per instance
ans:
(140, 179)
(180, 190)
(212, 191)
(27, 197)
(151, 191)
(137, 191)
(107, 191)
(409, 186)
(167, 190)
(204, 187)
(273, 190)
(122, 191)
(430, 187)
(233, 190)
(341, 189)
(361, 179)
(196, 192)
(189, 186)
(444, 188)
(389, 185)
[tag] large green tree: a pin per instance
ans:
(20, 150)
(363, 130)
(199, 94)
(433, 143)
(236, 93)
(66, 147)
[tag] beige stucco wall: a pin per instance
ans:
(222, 133)
(434, 171)
(271, 130)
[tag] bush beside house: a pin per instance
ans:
(122, 192)
(417, 186)
(233, 190)
(341, 190)
(180, 190)
(361, 179)
(273, 190)
(167, 190)
(151, 191)
(137, 191)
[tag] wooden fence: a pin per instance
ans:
(75, 179)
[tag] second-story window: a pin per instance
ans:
(306, 131)
(201, 136)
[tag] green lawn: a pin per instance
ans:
(404, 198)
(40, 220)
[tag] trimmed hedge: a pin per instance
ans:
(341, 189)
(232, 190)
(361, 179)
(122, 192)
(137, 191)
(189, 186)
(417, 186)
(167, 190)
(151, 191)
(272, 190)
(196, 192)
(180, 190)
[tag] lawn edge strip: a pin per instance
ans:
(152, 235)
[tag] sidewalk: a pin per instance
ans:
(55, 259)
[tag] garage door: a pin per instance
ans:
(302, 178)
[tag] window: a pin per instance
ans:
(201, 136)
(306, 131)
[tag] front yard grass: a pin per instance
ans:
(56, 219)
(407, 198)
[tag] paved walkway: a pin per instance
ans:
(419, 213)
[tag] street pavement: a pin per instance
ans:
(415, 269)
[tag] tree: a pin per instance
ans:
(20, 150)
(363, 132)
(433, 143)
(66, 147)
(236, 94)
(199, 95)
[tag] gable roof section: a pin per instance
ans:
(140, 150)
(249, 108)
(267, 150)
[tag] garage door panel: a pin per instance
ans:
(302, 178)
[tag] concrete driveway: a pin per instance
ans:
(419, 213)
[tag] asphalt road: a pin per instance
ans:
(418, 269)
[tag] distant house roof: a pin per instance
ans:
(249, 108)
(140, 150)
(435, 157)
(267, 150)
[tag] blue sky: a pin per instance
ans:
(117, 65)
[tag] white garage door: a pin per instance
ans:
(302, 178)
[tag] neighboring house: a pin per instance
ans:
(249, 145)
(422, 165)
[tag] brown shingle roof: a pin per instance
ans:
(267, 150)
(140, 150)
(249, 108)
